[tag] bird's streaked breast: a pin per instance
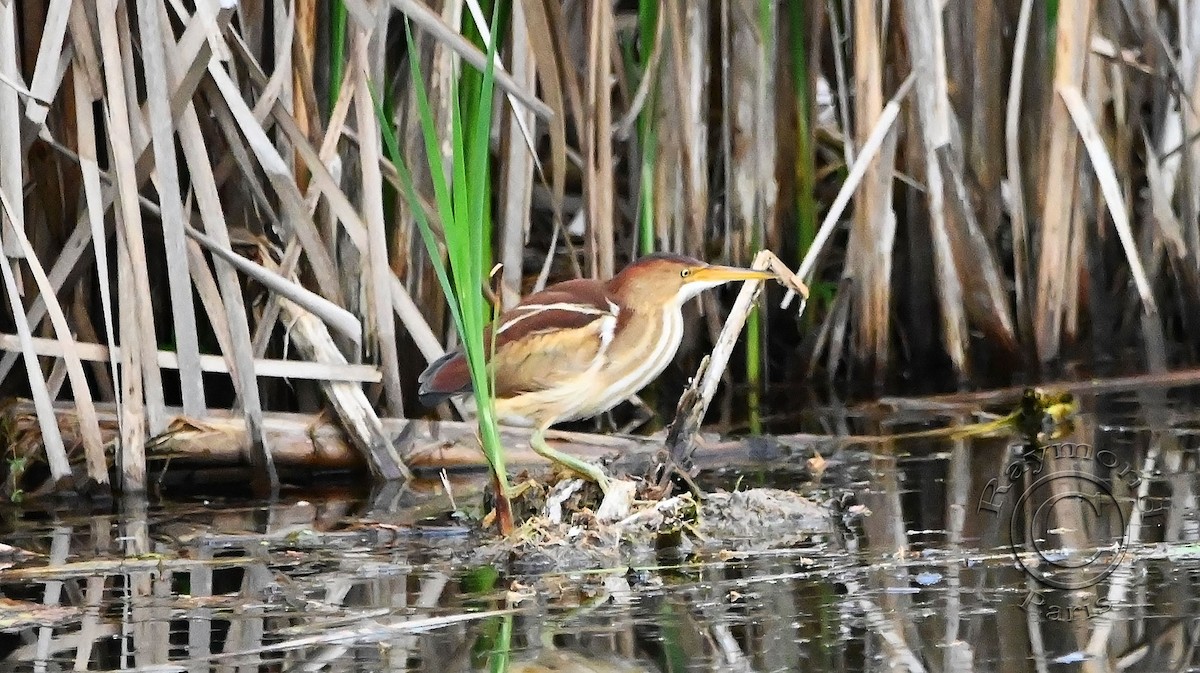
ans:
(638, 362)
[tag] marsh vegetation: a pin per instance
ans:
(235, 233)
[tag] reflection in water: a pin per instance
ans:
(971, 555)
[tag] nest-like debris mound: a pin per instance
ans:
(763, 518)
(572, 526)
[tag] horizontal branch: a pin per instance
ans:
(284, 369)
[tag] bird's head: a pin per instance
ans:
(664, 278)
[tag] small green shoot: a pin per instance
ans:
(337, 50)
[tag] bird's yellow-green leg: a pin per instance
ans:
(538, 443)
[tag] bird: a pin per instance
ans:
(580, 347)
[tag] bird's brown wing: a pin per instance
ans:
(551, 335)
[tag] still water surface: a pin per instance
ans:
(948, 555)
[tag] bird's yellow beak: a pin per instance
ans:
(725, 274)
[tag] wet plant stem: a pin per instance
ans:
(501, 654)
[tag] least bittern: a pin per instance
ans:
(579, 348)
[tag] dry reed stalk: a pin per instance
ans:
(752, 179)
(1111, 187)
(242, 123)
(401, 300)
(333, 315)
(193, 50)
(86, 333)
(689, 45)
(518, 165)
(1070, 56)
(162, 130)
(667, 181)
(737, 318)
(304, 53)
(1016, 180)
(211, 304)
(924, 27)
(522, 124)
(854, 177)
(873, 232)
(1189, 17)
(51, 65)
(93, 204)
(442, 72)
(1171, 230)
(983, 280)
(444, 34)
(751, 187)
(142, 383)
(137, 122)
(285, 22)
(599, 185)
(97, 467)
(418, 330)
(261, 367)
(12, 179)
(239, 351)
(132, 457)
(84, 46)
(320, 177)
(727, 104)
(547, 57)
(379, 272)
(56, 455)
(984, 145)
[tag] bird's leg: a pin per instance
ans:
(538, 443)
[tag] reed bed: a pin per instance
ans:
(201, 209)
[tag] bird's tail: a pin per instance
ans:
(444, 378)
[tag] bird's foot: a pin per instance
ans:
(515, 491)
(603, 482)
(590, 471)
(593, 473)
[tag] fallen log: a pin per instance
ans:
(316, 442)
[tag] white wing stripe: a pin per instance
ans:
(530, 310)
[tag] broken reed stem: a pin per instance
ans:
(857, 170)
(348, 400)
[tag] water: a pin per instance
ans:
(953, 555)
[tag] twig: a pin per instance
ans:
(687, 419)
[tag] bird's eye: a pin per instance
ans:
(685, 273)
